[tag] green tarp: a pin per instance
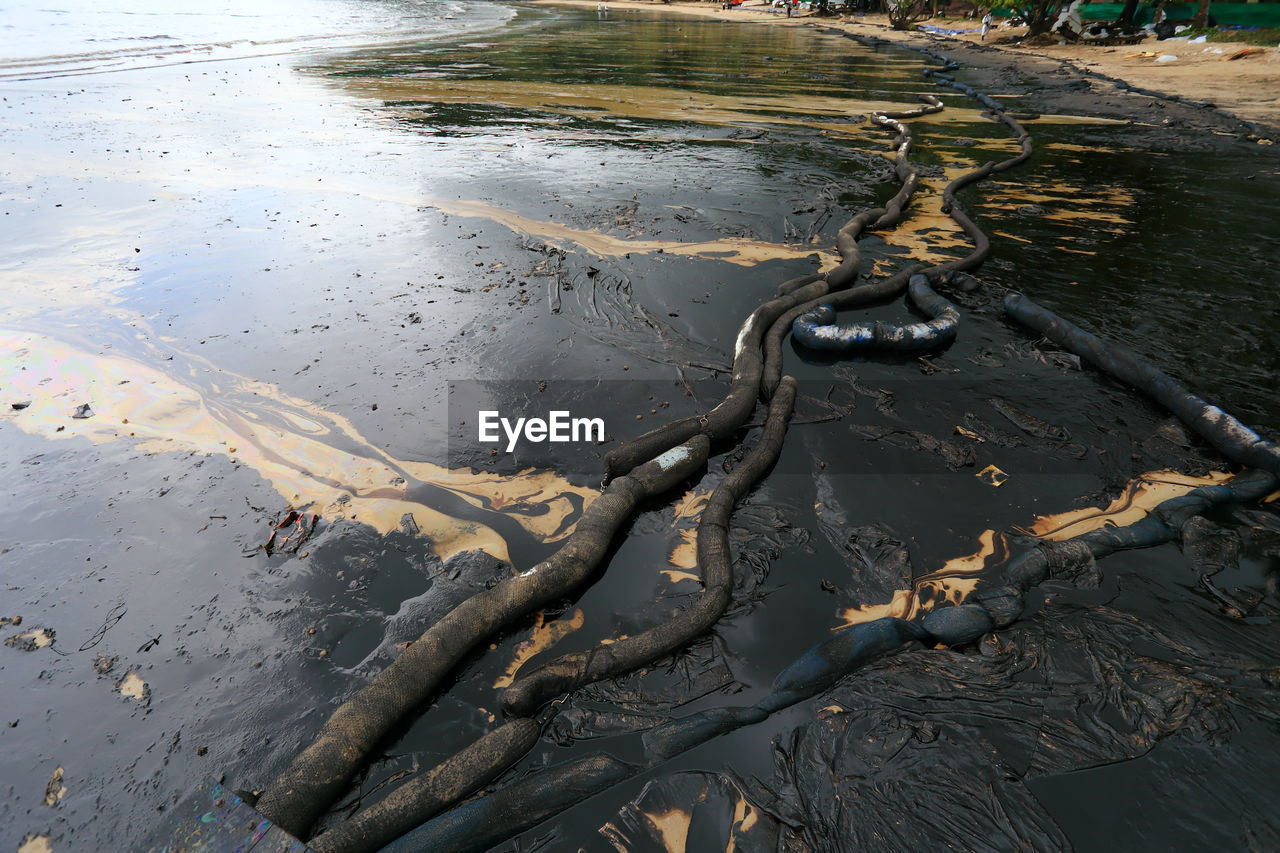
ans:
(1226, 14)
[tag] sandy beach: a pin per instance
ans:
(1218, 90)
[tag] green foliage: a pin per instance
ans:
(1269, 36)
(1038, 15)
(1262, 35)
(904, 13)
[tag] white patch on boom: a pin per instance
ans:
(672, 457)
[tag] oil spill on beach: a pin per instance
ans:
(281, 283)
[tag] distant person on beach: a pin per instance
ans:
(986, 25)
(1069, 23)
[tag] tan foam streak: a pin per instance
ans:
(545, 635)
(1133, 504)
(684, 555)
(928, 234)
(959, 576)
(734, 250)
(637, 102)
(289, 442)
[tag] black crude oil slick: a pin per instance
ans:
(902, 496)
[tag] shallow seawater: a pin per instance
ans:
(289, 275)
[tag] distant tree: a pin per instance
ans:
(904, 13)
(1202, 15)
(1038, 15)
(1126, 14)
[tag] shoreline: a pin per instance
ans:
(1200, 91)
